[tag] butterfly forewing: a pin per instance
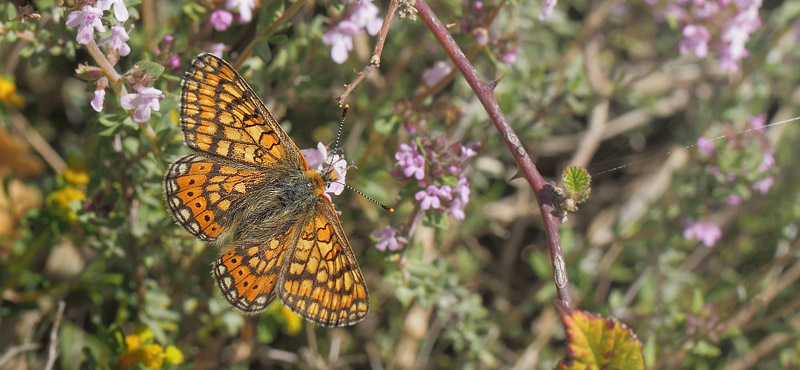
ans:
(223, 117)
(321, 280)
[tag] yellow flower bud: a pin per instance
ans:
(173, 355)
(153, 356)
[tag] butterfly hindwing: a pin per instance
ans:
(247, 274)
(321, 280)
(203, 195)
(222, 117)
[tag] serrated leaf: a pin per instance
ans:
(577, 181)
(595, 342)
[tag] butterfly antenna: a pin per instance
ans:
(341, 126)
(390, 209)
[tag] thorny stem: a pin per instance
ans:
(485, 93)
(375, 60)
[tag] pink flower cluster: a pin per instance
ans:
(363, 15)
(720, 26)
(765, 181)
(221, 19)
(760, 177)
(439, 169)
(88, 19)
(706, 232)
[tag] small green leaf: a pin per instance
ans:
(577, 181)
(436, 219)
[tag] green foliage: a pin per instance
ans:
(83, 219)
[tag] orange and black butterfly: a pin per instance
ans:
(248, 183)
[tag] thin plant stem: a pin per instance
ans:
(543, 191)
(375, 60)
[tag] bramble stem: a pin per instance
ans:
(485, 93)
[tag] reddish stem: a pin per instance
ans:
(543, 191)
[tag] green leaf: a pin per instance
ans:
(436, 219)
(577, 182)
(151, 69)
(598, 343)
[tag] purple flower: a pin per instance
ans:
(142, 101)
(763, 185)
(365, 15)
(217, 49)
(431, 76)
(245, 8)
(99, 94)
(457, 209)
(174, 62)
(120, 11)
(341, 40)
(221, 19)
(463, 190)
(695, 38)
(118, 40)
(478, 5)
(430, 197)
(705, 146)
(87, 20)
(411, 161)
(767, 162)
(315, 158)
(97, 101)
(736, 33)
(318, 159)
(388, 239)
(706, 232)
(547, 9)
(758, 122)
(733, 200)
(510, 56)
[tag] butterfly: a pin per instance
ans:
(248, 186)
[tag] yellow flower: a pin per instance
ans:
(8, 94)
(133, 342)
(144, 333)
(173, 355)
(293, 322)
(64, 196)
(76, 176)
(153, 356)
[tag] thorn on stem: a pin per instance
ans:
(497, 81)
(517, 175)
